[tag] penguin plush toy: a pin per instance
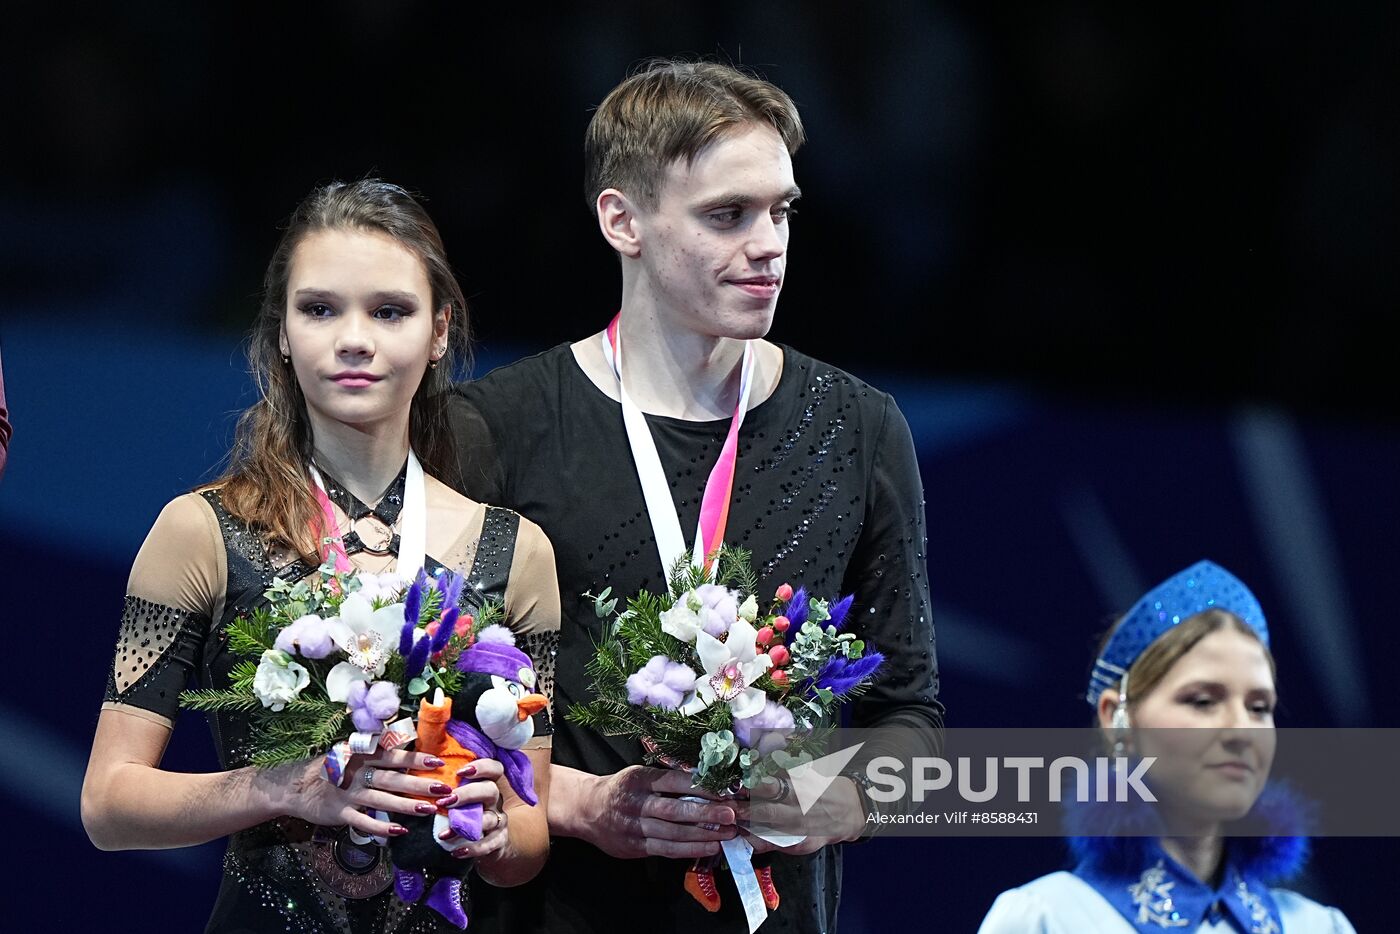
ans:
(488, 717)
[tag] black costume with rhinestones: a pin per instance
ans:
(826, 494)
(286, 875)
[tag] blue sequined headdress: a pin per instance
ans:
(1203, 586)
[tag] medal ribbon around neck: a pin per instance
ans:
(413, 522)
(709, 535)
(714, 506)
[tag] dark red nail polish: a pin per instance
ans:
(467, 771)
(424, 808)
(397, 831)
(438, 788)
(433, 762)
(461, 854)
(447, 802)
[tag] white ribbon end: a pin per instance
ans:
(738, 852)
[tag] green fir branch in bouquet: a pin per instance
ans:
(270, 754)
(242, 674)
(252, 635)
(211, 699)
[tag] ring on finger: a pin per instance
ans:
(784, 788)
(713, 828)
(367, 776)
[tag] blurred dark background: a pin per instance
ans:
(1125, 271)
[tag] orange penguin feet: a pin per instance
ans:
(700, 883)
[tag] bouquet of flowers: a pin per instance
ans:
(707, 679)
(340, 664)
(341, 653)
(710, 681)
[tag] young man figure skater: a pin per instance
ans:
(689, 173)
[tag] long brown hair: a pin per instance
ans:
(267, 483)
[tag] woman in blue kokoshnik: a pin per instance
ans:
(1192, 653)
(353, 349)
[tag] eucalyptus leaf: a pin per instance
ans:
(787, 762)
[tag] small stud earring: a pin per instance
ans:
(286, 359)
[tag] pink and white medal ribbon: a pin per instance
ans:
(709, 535)
(656, 491)
(413, 535)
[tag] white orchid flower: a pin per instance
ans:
(368, 637)
(730, 669)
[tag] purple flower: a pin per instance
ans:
(372, 704)
(839, 610)
(412, 611)
(413, 599)
(797, 608)
(417, 658)
(451, 586)
(719, 608)
(308, 637)
(444, 630)
(662, 683)
(766, 730)
(841, 675)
